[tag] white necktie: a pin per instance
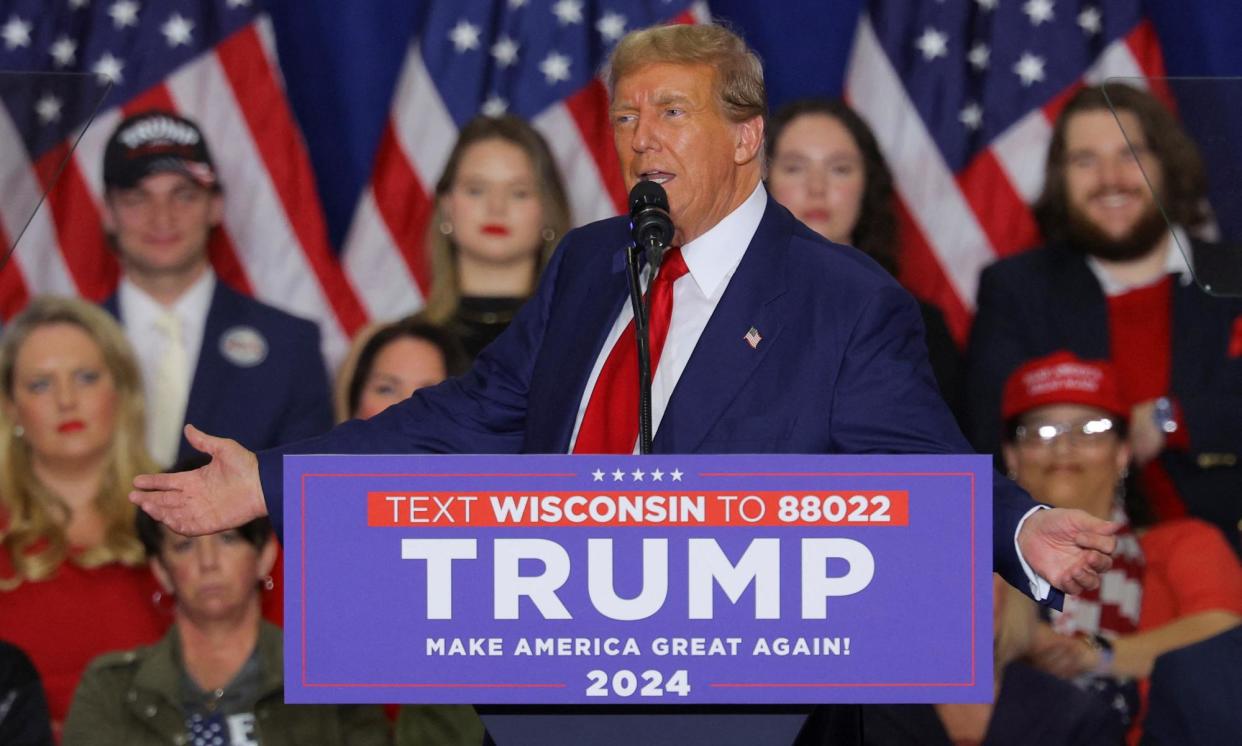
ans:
(171, 389)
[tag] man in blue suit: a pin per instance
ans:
(209, 355)
(777, 340)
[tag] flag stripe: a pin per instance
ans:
(280, 146)
(923, 274)
(391, 290)
(589, 110)
(405, 207)
(75, 216)
(1002, 211)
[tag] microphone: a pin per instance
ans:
(650, 224)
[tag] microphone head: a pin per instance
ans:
(650, 224)
(645, 194)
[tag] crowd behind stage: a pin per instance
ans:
(1097, 371)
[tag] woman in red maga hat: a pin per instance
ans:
(1171, 584)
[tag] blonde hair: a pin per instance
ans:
(33, 535)
(739, 73)
(445, 293)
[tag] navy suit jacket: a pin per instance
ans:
(1195, 693)
(842, 368)
(1047, 299)
(283, 398)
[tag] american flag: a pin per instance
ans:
(213, 61)
(538, 59)
(962, 95)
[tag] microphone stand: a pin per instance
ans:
(642, 307)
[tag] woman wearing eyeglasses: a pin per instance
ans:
(1171, 584)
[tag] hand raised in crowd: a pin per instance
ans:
(1063, 656)
(224, 494)
(1068, 548)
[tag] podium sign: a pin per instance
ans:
(638, 579)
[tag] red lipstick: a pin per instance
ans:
(72, 426)
(493, 229)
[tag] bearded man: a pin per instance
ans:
(1113, 282)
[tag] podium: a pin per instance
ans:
(639, 599)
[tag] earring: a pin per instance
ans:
(549, 235)
(18, 431)
(268, 583)
(446, 228)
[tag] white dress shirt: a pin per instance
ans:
(712, 258)
(140, 314)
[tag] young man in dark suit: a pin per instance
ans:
(1113, 282)
(209, 355)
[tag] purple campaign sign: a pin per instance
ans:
(638, 579)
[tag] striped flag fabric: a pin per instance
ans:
(211, 60)
(962, 95)
(538, 59)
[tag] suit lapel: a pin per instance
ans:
(723, 360)
(210, 361)
(597, 308)
(1080, 309)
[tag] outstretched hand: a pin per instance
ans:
(1068, 548)
(224, 494)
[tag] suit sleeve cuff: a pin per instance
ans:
(1039, 587)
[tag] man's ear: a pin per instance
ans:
(749, 142)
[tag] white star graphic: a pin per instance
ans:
(618, 475)
(987, 4)
(239, 3)
(1039, 11)
(657, 475)
(494, 106)
(16, 33)
(515, 4)
(597, 476)
(611, 26)
(64, 50)
(124, 13)
(676, 474)
(637, 474)
(933, 44)
(108, 68)
(568, 11)
(555, 68)
(465, 35)
(48, 108)
(78, 4)
(971, 116)
(1089, 20)
(505, 50)
(1030, 68)
(177, 30)
(979, 56)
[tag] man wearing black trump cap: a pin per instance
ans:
(209, 355)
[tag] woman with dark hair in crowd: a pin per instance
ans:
(1172, 584)
(825, 165)
(500, 209)
(392, 361)
(24, 719)
(219, 671)
(73, 582)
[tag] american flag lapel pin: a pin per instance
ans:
(753, 338)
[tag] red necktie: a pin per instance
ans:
(610, 424)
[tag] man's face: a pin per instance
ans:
(669, 128)
(162, 224)
(1104, 178)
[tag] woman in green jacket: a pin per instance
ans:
(218, 673)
